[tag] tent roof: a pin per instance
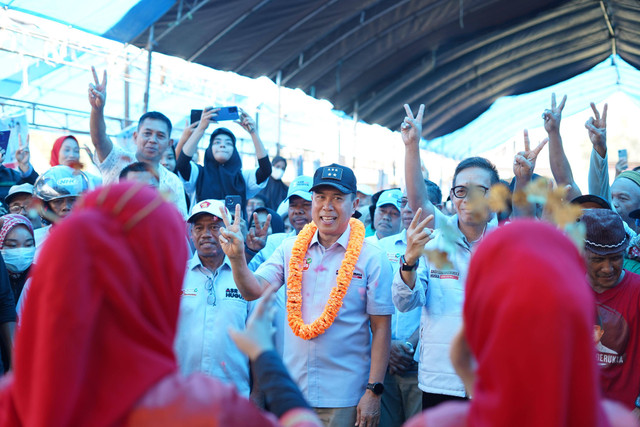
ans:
(368, 57)
(371, 56)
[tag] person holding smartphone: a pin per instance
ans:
(222, 173)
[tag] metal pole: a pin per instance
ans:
(278, 82)
(148, 83)
(127, 120)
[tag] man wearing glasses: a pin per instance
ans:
(439, 290)
(210, 302)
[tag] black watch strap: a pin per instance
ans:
(376, 388)
(406, 267)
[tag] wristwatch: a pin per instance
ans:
(376, 388)
(406, 267)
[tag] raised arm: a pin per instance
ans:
(264, 165)
(184, 137)
(417, 194)
(560, 167)
(97, 126)
(189, 147)
(232, 243)
(23, 157)
(524, 164)
(599, 164)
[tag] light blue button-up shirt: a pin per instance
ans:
(332, 370)
(202, 342)
(403, 324)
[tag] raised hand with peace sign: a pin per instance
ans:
(525, 161)
(597, 127)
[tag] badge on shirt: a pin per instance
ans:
(356, 275)
(192, 292)
(307, 264)
(233, 293)
(445, 274)
(393, 257)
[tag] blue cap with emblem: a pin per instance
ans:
(301, 187)
(337, 176)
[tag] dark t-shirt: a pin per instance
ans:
(618, 349)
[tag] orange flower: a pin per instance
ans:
(338, 292)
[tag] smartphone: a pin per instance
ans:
(195, 116)
(4, 140)
(230, 203)
(227, 113)
(622, 153)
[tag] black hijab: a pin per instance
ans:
(218, 180)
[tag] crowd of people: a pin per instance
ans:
(168, 292)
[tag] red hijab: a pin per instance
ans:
(529, 320)
(55, 150)
(98, 329)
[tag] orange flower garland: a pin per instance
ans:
(338, 292)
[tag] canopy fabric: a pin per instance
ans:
(368, 57)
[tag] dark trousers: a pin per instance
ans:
(429, 400)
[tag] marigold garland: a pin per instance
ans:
(338, 292)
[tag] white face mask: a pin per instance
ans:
(18, 259)
(276, 173)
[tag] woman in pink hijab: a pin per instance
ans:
(526, 352)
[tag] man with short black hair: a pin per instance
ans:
(442, 303)
(617, 294)
(152, 138)
(141, 172)
(210, 302)
(336, 344)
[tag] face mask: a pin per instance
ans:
(277, 173)
(18, 259)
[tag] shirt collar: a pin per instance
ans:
(453, 220)
(343, 240)
(195, 263)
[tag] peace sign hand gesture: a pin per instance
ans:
(257, 236)
(23, 156)
(98, 91)
(231, 238)
(411, 127)
(418, 235)
(553, 116)
(597, 128)
(525, 161)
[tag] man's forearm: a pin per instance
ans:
(417, 194)
(98, 131)
(248, 284)
(409, 277)
(560, 167)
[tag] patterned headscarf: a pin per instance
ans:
(9, 221)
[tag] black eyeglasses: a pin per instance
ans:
(460, 191)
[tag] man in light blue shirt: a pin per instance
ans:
(209, 303)
(340, 371)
